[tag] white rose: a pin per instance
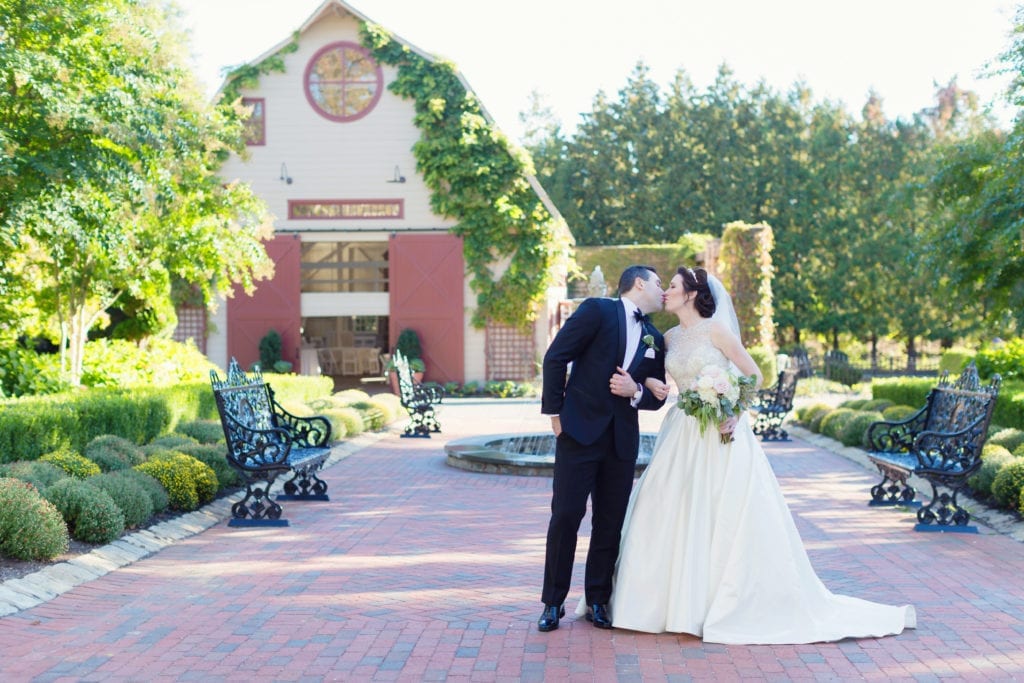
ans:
(708, 395)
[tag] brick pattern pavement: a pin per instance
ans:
(415, 571)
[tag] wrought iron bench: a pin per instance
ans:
(418, 399)
(773, 404)
(801, 362)
(941, 443)
(265, 441)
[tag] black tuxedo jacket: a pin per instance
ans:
(593, 339)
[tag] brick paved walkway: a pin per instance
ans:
(418, 571)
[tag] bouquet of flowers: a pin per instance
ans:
(716, 395)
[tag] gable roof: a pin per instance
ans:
(339, 7)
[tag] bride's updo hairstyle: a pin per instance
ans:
(696, 280)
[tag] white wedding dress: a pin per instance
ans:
(709, 546)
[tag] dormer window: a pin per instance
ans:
(343, 82)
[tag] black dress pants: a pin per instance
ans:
(597, 471)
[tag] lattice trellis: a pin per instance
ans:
(191, 325)
(511, 354)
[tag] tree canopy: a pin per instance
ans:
(109, 155)
(861, 207)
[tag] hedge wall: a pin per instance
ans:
(33, 426)
(913, 391)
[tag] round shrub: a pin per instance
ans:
(350, 396)
(373, 417)
(203, 431)
(992, 460)
(349, 421)
(216, 457)
(1011, 439)
(854, 403)
(128, 494)
(833, 423)
(39, 474)
(171, 442)
(898, 412)
(31, 528)
(188, 481)
(814, 424)
(112, 452)
(91, 514)
(854, 430)
(74, 464)
(877, 404)
(1008, 483)
(153, 488)
(804, 414)
(339, 430)
(390, 404)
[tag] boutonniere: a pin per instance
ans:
(652, 348)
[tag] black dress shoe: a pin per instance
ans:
(549, 617)
(598, 615)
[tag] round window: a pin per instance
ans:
(343, 82)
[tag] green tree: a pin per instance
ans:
(108, 182)
(978, 194)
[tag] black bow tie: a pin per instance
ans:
(641, 317)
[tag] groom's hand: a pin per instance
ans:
(556, 425)
(622, 384)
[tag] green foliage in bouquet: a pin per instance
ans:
(717, 395)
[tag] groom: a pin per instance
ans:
(613, 348)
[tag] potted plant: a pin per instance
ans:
(408, 344)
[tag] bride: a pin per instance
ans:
(709, 546)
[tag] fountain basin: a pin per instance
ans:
(531, 455)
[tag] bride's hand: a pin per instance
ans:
(729, 426)
(657, 388)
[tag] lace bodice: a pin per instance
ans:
(689, 351)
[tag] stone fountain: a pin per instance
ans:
(522, 454)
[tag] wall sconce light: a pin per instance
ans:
(284, 174)
(398, 177)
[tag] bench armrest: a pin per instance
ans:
(947, 451)
(895, 437)
(432, 394)
(305, 432)
(256, 449)
(765, 397)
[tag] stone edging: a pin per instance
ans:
(995, 520)
(46, 584)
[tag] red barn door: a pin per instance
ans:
(275, 304)
(427, 275)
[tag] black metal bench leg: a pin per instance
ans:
(419, 427)
(943, 513)
(257, 508)
(304, 485)
(893, 490)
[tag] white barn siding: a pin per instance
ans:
(331, 160)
